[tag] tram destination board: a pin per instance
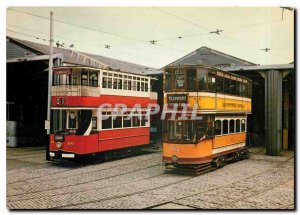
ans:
(177, 98)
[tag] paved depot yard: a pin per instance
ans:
(261, 182)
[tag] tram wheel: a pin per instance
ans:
(223, 161)
(218, 162)
(239, 155)
(234, 157)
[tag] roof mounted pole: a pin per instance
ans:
(47, 126)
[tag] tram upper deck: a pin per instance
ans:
(211, 89)
(83, 86)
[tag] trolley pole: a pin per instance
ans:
(47, 123)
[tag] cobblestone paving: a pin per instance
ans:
(140, 182)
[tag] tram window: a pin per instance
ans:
(202, 77)
(104, 82)
(146, 87)
(174, 129)
(211, 80)
(232, 87)
(226, 85)
(225, 126)
(107, 123)
(54, 81)
(109, 83)
(249, 90)
(93, 79)
(142, 86)
(168, 80)
(191, 79)
(94, 122)
(59, 120)
(115, 83)
(84, 78)
(74, 80)
(238, 125)
(144, 120)
(205, 127)
(119, 84)
(129, 85)
(202, 128)
(72, 120)
(117, 122)
(244, 94)
(239, 88)
(61, 79)
(179, 79)
(243, 125)
(231, 126)
(218, 125)
(135, 121)
(126, 121)
(138, 86)
(219, 84)
(125, 84)
(133, 85)
(189, 134)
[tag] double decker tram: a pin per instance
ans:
(213, 129)
(79, 127)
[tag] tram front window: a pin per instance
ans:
(189, 131)
(71, 121)
(174, 129)
(181, 131)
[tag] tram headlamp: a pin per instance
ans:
(58, 138)
(174, 158)
(58, 145)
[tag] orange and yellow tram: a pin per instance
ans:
(209, 124)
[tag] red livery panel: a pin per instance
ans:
(90, 101)
(123, 138)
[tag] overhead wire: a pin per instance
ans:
(190, 22)
(67, 44)
(158, 40)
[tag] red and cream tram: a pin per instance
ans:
(78, 126)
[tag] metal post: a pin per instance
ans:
(273, 117)
(49, 84)
(50, 70)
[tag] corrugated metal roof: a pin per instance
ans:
(72, 58)
(211, 57)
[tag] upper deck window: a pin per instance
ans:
(191, 79)
(93, 79)
(180, 79)
(84, 78)
(119, 81)
(202, 79)
(168, 80)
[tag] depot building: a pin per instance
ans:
(271, 124)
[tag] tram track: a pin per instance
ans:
(78, 176)
(119, 183)
(124, 195)
(116, 196)
(78, 168)
(171, 184)
(257, 193)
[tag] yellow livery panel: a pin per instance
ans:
(225, 140)
(218, 103)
